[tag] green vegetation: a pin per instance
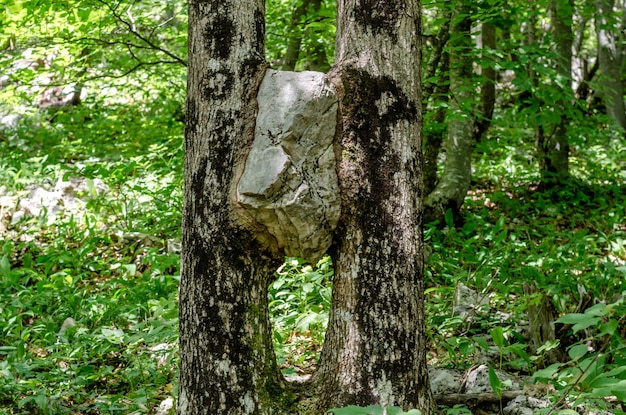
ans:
(88, 296)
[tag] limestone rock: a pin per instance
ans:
(289, 184)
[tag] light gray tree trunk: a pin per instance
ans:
(227, 360)
(375, 344)
(611, 60)
(552, 144)
(455, 180)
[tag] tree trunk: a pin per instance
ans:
(610, 57)
(488, 85)
(553, 148)
(375, 344)
(454, 182)
(227, 360)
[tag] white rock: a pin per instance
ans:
(289, 184)
(444, 381)
(165, 407)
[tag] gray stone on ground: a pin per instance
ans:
(289, 184)
(525, 405)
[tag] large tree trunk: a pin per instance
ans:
(455, 180)
(375, 344)
(610, 57)
(227, 360)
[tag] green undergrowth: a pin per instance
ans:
(88, 300)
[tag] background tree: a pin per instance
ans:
(609, 30)
(455, 109)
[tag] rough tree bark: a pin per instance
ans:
(375, 344)
(227, 360)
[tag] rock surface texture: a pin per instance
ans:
(289, 184)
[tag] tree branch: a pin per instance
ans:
(136, 33)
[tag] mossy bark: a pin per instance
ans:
(375, 344)
(455, 179)
(227, 361)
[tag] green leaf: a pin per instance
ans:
(579, 321)
(609, 327)
(548, 372)
(497, 334)
(353, 410)
(449, 219)
(495, 382)
(577, 351)
(5, 266)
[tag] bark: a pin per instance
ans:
(454, 182)
(488, 85)
(227, 361)
(375, 344)
(611, 59)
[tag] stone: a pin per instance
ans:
(444, 381)
(525, 405)
(477, 380)
(289, 183)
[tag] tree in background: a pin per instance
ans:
(375, 345)
(610, 34)
(456, 110)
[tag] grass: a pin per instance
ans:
(88, 302)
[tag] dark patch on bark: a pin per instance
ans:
(217, 84)
(259, 30)
(250, 66)
(367, 136)
(191, 119)
(380, 16)
(220, 33)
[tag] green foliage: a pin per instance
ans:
(299, 302)
(88, 313)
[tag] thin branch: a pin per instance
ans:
(139, 35)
